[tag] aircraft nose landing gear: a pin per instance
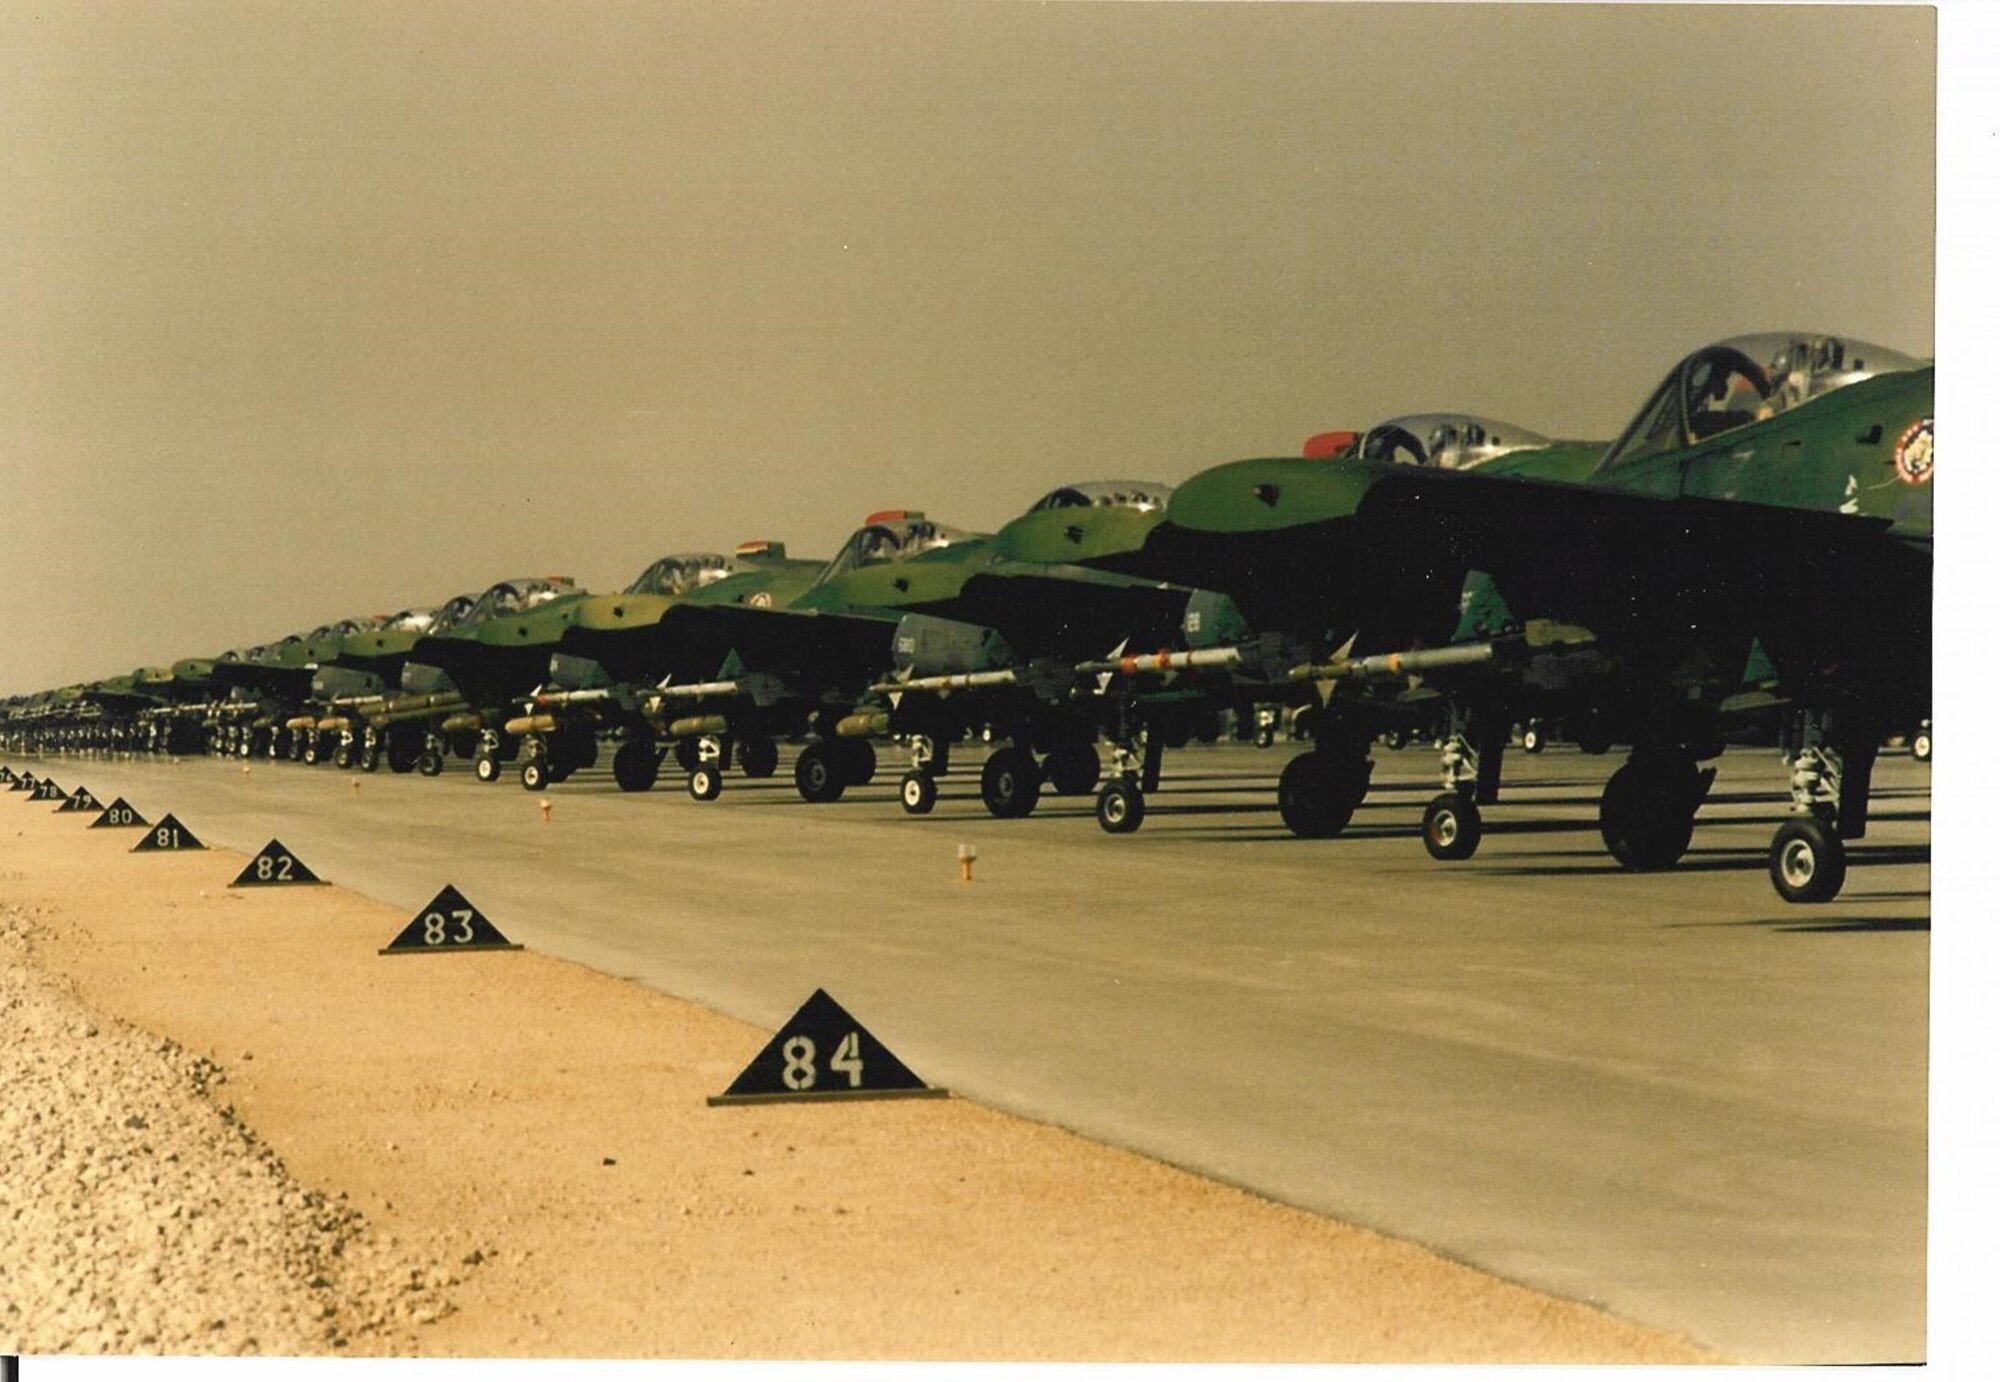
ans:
(1808, 860)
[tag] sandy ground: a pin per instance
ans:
(503, 1154)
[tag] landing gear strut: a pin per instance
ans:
(918, 790)
(1121, 801)
(1830, 777)
(1469, 769)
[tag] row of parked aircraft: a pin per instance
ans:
(1755, 546)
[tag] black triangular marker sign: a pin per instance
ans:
(24, 783)
(46, 790)
(274, 867)
(823, 1053)
(168, 834)
(81, 800)
(118, 815)
(6, 773)
(450, 923)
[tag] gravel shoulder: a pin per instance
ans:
(240, 1129)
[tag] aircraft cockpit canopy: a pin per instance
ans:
(892, 536)
(519, 596)
(1447, 441)
(410, 621)
(1743, 380)
(452, 613)
(1144, 495)
(681, 572)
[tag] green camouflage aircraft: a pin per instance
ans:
(922, 632)
(1773, 495)
(610, 660)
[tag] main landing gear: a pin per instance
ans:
(828, 767)
(1319, 791)
(635, 764)
(1646, 816)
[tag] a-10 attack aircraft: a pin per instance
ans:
(1323, 602)
(469, 681)
(1771, 498)
(601, 679)
(922, 632)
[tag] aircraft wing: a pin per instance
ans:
(1072, 612)
(842, 649)
(1829, 594)
(1314, 581)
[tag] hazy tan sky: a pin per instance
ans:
(328, 309)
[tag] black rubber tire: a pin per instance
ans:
(635, 767)
(857, 761)
(430, 762)
(1072, 769)
(534, 773)
(1531, 739)
(1808, 861)
(371, 759)
(486, 767)
(1920, 746)
(402, 758)
(1010, 784)
(1319, 791)
(918, 792)
(1452, 827)
(817, 774)
(757, 757)
(705, 782)
(1646, 816)
(1121, 806)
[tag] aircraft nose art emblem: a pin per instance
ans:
(1913, 454)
